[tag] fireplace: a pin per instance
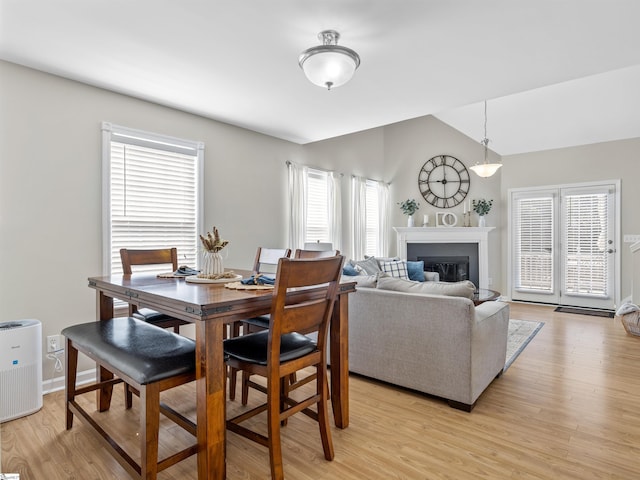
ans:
(450, 269)
(472, 242)
(454, 262)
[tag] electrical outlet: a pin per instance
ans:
(54, 343)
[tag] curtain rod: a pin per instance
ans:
(289, 162)
(372, 179)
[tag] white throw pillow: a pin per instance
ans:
(453, 289)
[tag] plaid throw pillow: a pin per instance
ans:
(396, 269)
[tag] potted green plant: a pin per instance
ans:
(482, 207)
(409, 207)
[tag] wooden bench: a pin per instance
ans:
(150, 360)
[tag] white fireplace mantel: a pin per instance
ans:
(479, 235)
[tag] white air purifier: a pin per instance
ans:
(20, 368)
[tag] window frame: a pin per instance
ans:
(140, 138)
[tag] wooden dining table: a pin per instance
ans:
(210, 307)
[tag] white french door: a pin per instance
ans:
(563, 243)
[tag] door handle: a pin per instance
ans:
(611, 250)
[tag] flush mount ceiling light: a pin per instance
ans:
(329, 65)
(485, 169)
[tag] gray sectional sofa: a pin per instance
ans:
(440, 345)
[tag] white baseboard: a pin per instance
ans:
(57, 383)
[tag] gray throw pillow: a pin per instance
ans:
(369, 265)
(381, 260)
(453, 289)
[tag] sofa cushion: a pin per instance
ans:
(452, 289)
(431, 277)
(369, 265)
(365, 280)
(396, 269)
(416, 271)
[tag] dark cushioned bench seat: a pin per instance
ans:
(142, 351)
(150, 360)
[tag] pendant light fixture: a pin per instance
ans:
(485, 169)
(329, 65)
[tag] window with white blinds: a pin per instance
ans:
(318, 205)
(585, 238)
(372, 219)
(533, 243)
(152, 194)
(369, 217)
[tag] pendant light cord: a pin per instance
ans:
(485, 140)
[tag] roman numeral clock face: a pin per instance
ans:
(444, 181)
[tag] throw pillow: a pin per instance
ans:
(350, 270)
(369, 265)
(381, 260)
(416, 271)
(453, 289)
(396, 269)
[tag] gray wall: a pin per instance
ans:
(50, 189)
(50, 181)
(587, 163)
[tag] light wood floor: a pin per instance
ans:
(567, 408)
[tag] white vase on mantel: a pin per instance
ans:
(410, 222)
(482, 221)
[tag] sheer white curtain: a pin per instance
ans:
(297, 210)
(316, 211)
(359, 217)
(335, 209)
(370, 218)
(384, 220)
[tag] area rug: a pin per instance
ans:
(521, 332)
(586, 311)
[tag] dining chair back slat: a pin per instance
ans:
(315, 253)
(267, 259)
(159, 256)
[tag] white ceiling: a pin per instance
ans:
(556, 72)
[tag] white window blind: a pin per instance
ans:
(317, 208)
(585, 239)
(372, 219)
(369, 217)
(534, 244)
(152, 194)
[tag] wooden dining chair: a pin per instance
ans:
(285, 349)
(266, 262)
(159, 256)
(315, 253)
(262, 322)
(267, 259)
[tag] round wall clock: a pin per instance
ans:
(444, 181)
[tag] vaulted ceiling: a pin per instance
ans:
(555, 73)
